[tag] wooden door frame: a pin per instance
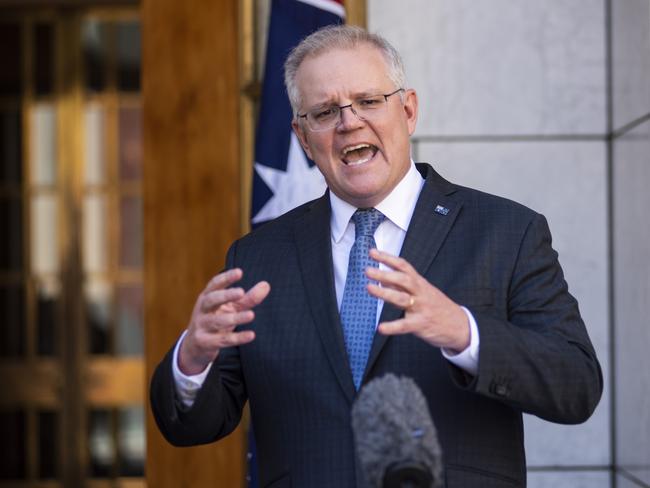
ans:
(199, 103)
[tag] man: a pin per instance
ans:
(475, 309)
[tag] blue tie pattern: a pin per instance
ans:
(359, 308)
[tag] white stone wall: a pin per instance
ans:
(548, 103)
(630, 173)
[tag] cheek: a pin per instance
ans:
(316, 145)
(399, 142)
(306, 145)
(321, 150)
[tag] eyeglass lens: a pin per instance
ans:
(365, 108)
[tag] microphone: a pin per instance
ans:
(395, 440)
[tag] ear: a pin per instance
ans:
(302, 136)
(411, 109)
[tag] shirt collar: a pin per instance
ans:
(398, 206)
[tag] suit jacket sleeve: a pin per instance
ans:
(540, 360)
(218, 406)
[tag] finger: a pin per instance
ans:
(254, 296)
(392, 279)
(216, 298)
(394, 262)
(227, 321)
(224, 280)
(398, 298)
(233, 339)
(395, 327)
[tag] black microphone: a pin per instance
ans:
(395, 440)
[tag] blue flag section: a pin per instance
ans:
(284, 177)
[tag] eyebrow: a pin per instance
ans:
(366, 93)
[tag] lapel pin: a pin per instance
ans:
(441, 210)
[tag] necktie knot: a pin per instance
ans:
(366, 221)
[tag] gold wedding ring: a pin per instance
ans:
(411, 302)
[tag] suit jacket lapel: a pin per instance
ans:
(433, 217)
(313, 240)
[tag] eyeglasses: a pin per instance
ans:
(328, 117)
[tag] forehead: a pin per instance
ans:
(341, 73)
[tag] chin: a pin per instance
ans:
(364, 200)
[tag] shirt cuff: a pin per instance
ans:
(187, 387)
(467, 359)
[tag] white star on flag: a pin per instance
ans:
(295, 186)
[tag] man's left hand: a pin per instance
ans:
(428, 313)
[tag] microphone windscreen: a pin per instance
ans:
(391, 424)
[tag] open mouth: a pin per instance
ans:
(358, 154)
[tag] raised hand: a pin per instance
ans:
(218, 311)
(428, 312)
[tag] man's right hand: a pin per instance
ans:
(218, 311)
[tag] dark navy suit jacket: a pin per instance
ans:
(487, 253)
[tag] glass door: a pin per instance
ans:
(71, 328)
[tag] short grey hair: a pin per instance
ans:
(339, 37)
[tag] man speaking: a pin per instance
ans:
(393, 270)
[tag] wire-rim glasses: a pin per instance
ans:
(329, 116)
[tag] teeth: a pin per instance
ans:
(358, 154)
(361, 161)
(354, 148)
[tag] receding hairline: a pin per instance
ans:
(344, 45)
(323, 51)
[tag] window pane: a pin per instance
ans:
(128, 56)
(11, 229)
(130, 142)
(48, 445)
(44, 59)
(98, 316)
(95, 167)
(131, 439)
(43, 144)
(12, 299)
(130, 335)
(10, 146)
(95, 49)
(101, 443)
(11, 56)
(95, 234)
(12, 445)
(131, 232)
(47, 316)
(44, 239)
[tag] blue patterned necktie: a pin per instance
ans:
(359, 308)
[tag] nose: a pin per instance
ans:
(349, 119)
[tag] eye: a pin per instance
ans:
(323, 113)
(371, 102)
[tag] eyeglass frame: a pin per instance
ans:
(341, 107)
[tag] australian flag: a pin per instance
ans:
(284, 177)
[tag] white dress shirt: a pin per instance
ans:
(398, 209)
